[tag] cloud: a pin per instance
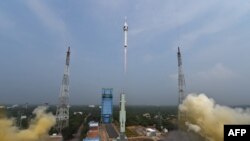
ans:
(192, 127)
(173, 76)
(218, 18)
(190, 20)
(47, 16)
(5, 22)
(208, 117)
(167, 15)
(215, 78)
(112, 5)
(37, 130)
(218, 72)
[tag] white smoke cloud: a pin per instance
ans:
(37, 131)
(48, 17)
(209, 118)
(192, 127)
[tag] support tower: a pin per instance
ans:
(62, 112)
(181, 85)
(107, 105)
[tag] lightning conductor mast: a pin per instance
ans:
(181, 85)
(68, 57)
(181, 79)
(62, 113)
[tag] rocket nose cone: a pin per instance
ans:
(125, 24)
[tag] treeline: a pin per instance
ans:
(158, 116)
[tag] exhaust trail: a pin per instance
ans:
(37, 131)
(125, 60)
(205, 117)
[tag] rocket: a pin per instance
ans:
(125, 29)
(122, 113)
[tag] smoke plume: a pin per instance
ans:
(207, 118)
(192, 127)
(37, 131)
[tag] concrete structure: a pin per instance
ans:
(62, 112)
(93, 133)
(107, 105)
(111, 131)
(146, 115)
(55, 137)
(150, 132)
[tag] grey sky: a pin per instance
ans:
(213, 37)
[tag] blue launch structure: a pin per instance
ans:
(107, 105)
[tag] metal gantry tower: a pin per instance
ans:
(107, 105)
(62, 112)
(181, 84)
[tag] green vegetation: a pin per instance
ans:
(153, 116)
(160, 116)
(75, 122)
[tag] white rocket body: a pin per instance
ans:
(122, 113)
(125, 29)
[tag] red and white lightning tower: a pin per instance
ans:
(181, 85)
(62, 112)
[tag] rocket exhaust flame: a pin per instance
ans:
(37, 131)
(207, 118)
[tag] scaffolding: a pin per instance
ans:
(62, 112)
(181, 86)
(107, 105)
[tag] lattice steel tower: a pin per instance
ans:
(62, 112)
(181, 84)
